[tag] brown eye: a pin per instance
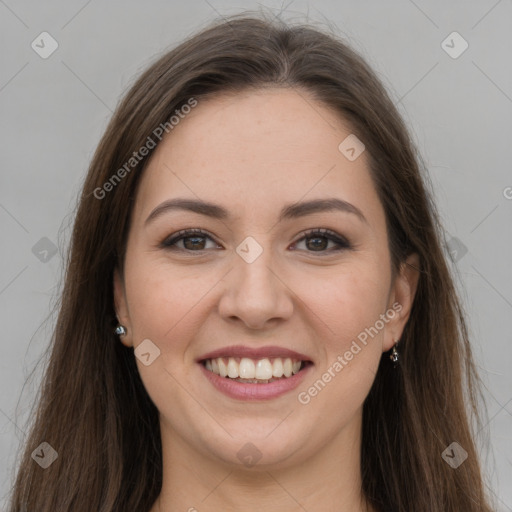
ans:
(318, 241)
(193, 240)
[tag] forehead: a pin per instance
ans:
(255, 151)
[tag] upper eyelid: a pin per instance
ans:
(185, 233)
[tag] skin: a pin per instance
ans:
(253, 153)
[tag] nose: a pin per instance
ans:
(255, 293)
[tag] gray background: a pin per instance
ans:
(54, 110)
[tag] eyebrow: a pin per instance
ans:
(290, 211)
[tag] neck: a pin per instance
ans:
(330, 479)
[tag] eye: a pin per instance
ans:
(193, 240)
(318, 240)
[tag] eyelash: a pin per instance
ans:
(169, 243)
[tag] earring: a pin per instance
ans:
(120, 330)
(395, 355)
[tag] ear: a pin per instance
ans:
(121, 307)
(401, 299)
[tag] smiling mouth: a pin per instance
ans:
(255, 371)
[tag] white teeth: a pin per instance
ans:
(232, 369)
(287, 367)
(277, 370)
(223, 371)
(262, 370)
(246, 368)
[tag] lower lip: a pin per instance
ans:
(245, 391)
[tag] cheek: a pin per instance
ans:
(345, 301)
(165, 306)
(163, 297)
(349, 305)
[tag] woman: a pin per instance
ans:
(257, 312)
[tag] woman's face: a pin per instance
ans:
(252, 280)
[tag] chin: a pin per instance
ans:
(258, 448)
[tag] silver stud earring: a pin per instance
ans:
(395, 356)
(120, 330)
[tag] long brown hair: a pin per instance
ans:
(93, 408)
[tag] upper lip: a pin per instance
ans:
(253, 353)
